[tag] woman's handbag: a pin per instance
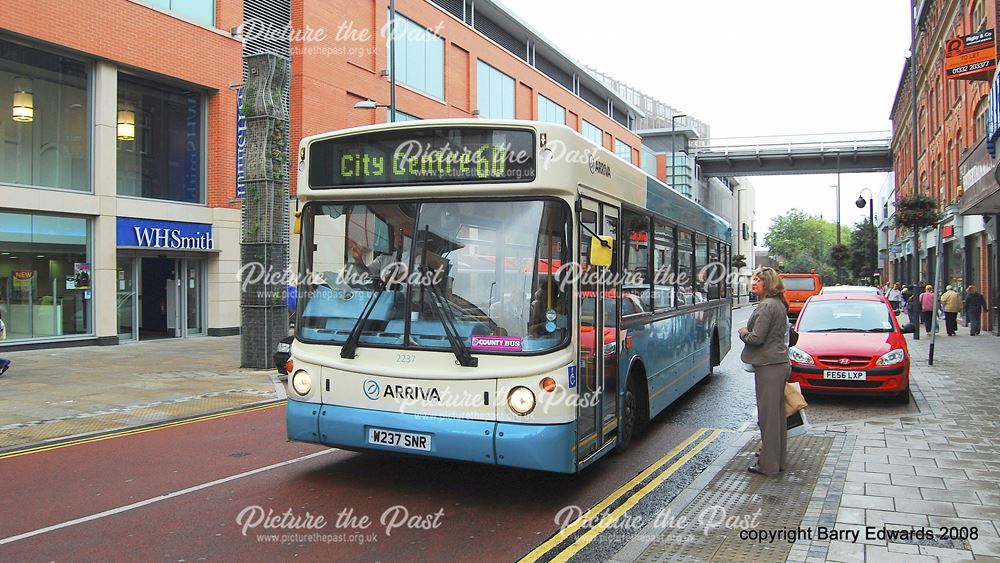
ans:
(795, 413)
(794, 401)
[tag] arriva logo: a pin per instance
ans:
(371, 388)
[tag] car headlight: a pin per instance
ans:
(891, 358)
(798, 356)
(284, 347)
(521, 400)
(302, 383)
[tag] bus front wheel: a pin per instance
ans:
(630, 415)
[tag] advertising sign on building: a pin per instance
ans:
(971, 57)
(993, 117)
(167, 235)
(241, 143)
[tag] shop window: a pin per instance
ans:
(45, 275)
(160, 134)
(43, 128)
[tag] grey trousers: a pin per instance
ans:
(769, 382)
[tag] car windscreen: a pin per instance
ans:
(799, 284)
(845, 315)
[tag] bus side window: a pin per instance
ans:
(663, 267)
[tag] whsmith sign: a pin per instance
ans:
(163, 235)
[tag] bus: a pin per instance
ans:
(494, 291)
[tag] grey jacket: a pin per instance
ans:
(766, 337)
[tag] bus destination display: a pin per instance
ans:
(454, 155)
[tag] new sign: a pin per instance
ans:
(971, 57)
(165, 235)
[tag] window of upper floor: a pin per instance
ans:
(623, 150)
(494, 93)
(592, 132)
(46, 139)
(160, 134)
(550, 111)
(419, 57)
(201, 11)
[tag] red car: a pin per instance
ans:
(851, 344)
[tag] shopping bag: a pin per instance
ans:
(797, 424)
(794, 401)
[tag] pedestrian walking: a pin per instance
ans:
(766, 349)
(4, 363)
(928, 304)
(951, 302)
(894, 295)
(974, 306)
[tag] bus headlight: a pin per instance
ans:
(891, 358)
(302, 383)
(521, 400)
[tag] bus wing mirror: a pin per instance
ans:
(601, 249)
(297, 223)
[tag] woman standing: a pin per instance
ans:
(928, 306)
(974, 305)
(765, 337)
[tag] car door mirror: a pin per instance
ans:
(908, 328)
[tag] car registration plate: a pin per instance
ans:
(849, 375)
(405, 440)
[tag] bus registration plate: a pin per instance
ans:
(849, 375)
(398, 439)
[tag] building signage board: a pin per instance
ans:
(971, 57)
(163, 235)
(993, 116)
(241, 143)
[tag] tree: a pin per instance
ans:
(739, 261)
(860, 260)
(803, 240)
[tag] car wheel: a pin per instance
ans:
(903, 397)
(630, 410)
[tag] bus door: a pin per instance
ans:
(597, 364)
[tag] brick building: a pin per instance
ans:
(117, 163)
(455, 58)
(951, 123)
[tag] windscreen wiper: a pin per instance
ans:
(443, 312)
(351, 346)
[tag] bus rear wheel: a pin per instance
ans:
(630, 416)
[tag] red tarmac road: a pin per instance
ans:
(417, 509)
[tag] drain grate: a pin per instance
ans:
(950, 543)
(737, 500)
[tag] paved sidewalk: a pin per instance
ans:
(51, 395)
(938, 470)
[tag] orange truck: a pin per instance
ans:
(798, 288)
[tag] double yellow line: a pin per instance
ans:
(133, 431)
(700, 439)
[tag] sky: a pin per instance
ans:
(750, 68)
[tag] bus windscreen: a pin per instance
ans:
(421, 156)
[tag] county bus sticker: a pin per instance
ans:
(496, 343)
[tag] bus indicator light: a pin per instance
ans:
(548, 384)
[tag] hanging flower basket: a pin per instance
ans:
(917, 211)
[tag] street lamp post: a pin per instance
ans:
(673, 130)
(860, 202)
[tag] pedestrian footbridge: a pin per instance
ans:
(867, 151)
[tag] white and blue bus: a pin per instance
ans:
(502, 292)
